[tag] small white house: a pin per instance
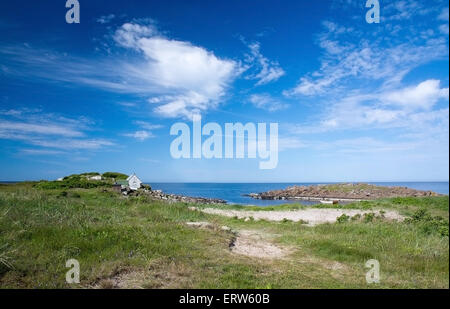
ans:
(134, 182)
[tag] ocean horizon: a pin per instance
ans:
(234, 193)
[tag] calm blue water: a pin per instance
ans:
(232, 192)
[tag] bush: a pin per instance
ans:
(429, 224)
(115, 175)
(356, 217)
(90, 174)
(72, 182)
(342, 219)
(369, 217)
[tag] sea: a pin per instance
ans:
(234, 193)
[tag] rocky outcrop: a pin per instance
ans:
(340, 192)
(172, 198)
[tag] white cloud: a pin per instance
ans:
(409, 108)
(148, 126)
(185, 79)
(353, 57)
(359, 88)
(267, 102)
(127, 104)
(444, 15)
(269, 71)
(144, 134)
(35, 128)
(403, 9)
(129, 34)
(41, 152)
(70, 144)
(105, 19)
(141, 135)
(444, 29)
(48, 130)
(193, 79)
(423, 96)
(367, 63)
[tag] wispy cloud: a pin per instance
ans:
(185, 78)
(360, 89)
(18, 127)
(404, 9)
(266, 71)
(105, 19)
(354, 57)
(141, 135)
(267, 102)
(41, 152)
(410, 108)
(145, 132)
(48, 131)
(147, 125)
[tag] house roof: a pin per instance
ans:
(133, 175)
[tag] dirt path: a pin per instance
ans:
(312, 216)
(251, 243)
(254, 244)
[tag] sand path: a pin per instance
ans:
(312, 216)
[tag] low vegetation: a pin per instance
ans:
(136, 242)
(82, 181)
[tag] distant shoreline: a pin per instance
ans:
(234, 193)
(282, 182)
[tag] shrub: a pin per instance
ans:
(369, 217)
(90, 174)
(342, 219)
(115, 175)
(429, 224)
(356, 217)
(71, 182)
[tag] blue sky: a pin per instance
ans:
(354, 101)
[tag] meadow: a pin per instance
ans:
(136, 242)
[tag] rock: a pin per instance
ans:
(226, 228)
(173, 198)
(355, 191)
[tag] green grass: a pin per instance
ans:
(148, 241)
(436, 205)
